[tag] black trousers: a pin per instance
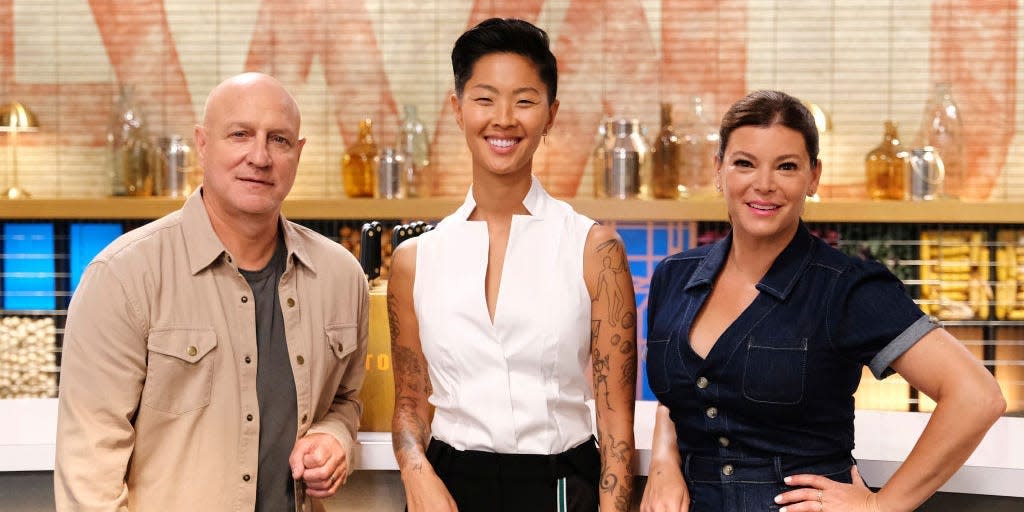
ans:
(494, 482)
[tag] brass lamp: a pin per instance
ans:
(14, 118)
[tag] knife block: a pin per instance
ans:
(378, 392)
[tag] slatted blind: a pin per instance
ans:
(862, 62)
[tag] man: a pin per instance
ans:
(213, 358)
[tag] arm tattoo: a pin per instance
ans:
(393, 316)
(612, 449)
(601, 370)
(411, 383)
(613, 266)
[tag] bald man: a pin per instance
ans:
(213, 358)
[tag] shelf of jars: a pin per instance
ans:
(937, 211)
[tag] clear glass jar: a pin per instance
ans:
(414, 146)
(942, 129)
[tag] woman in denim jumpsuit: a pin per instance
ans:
(756, 345)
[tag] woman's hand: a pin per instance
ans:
(665, 490)
(425, 492)
(820, 494)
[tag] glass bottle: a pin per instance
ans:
(699, 144)
(414, 146)
(599, 157)
(622, 176)
(942, 129)
(643, 149)
(885, 167)
(359, 165)
(128, 148)
(665, 159)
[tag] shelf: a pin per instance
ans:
(601, 209)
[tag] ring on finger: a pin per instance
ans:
(821, 507)
(820, 493)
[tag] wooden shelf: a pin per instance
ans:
(601, 209)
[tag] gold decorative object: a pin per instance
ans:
(15, 118)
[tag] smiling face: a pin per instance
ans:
(249, 146)
(765, 175)
(504, 113)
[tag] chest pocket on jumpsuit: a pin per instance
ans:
(774, 370)
(655, 364)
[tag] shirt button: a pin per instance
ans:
(246, 477)
(301, 360)
(248, 359)
(702, 382)
(727, 469)
(228, 257)
(303, 418)
(248, 417)
(712, 412)
(724, 441)
(245, 299)
(192, 350)
(291, 302)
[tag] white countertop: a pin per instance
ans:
(883, 440)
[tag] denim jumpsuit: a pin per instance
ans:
(774, 396)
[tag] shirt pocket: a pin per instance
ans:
(655, 364)
(341, 338)
(179, 373)
(774, 372)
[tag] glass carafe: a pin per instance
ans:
(885, 167)
(128, 148)
(359, 165)
(665, 159)
(414, 146)
(699, 144)
(942, 129)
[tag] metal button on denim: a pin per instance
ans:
(245, 299)
(712, 412)
(702, 382)
(246, 477)
(727, 469)
(724, 441)
(301, 360)
(192, 350)
(291, 302)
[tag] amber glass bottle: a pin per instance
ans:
(885, 167)
(359, 165)
(665, 177)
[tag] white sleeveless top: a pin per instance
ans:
(518, 385)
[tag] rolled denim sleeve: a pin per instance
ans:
(874, 319)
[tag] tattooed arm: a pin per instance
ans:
(613, 352)
(666, 490)
(410, 429)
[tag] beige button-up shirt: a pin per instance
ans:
(158, 408)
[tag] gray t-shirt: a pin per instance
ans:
(275, 389)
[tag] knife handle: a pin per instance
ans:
(369, 249)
